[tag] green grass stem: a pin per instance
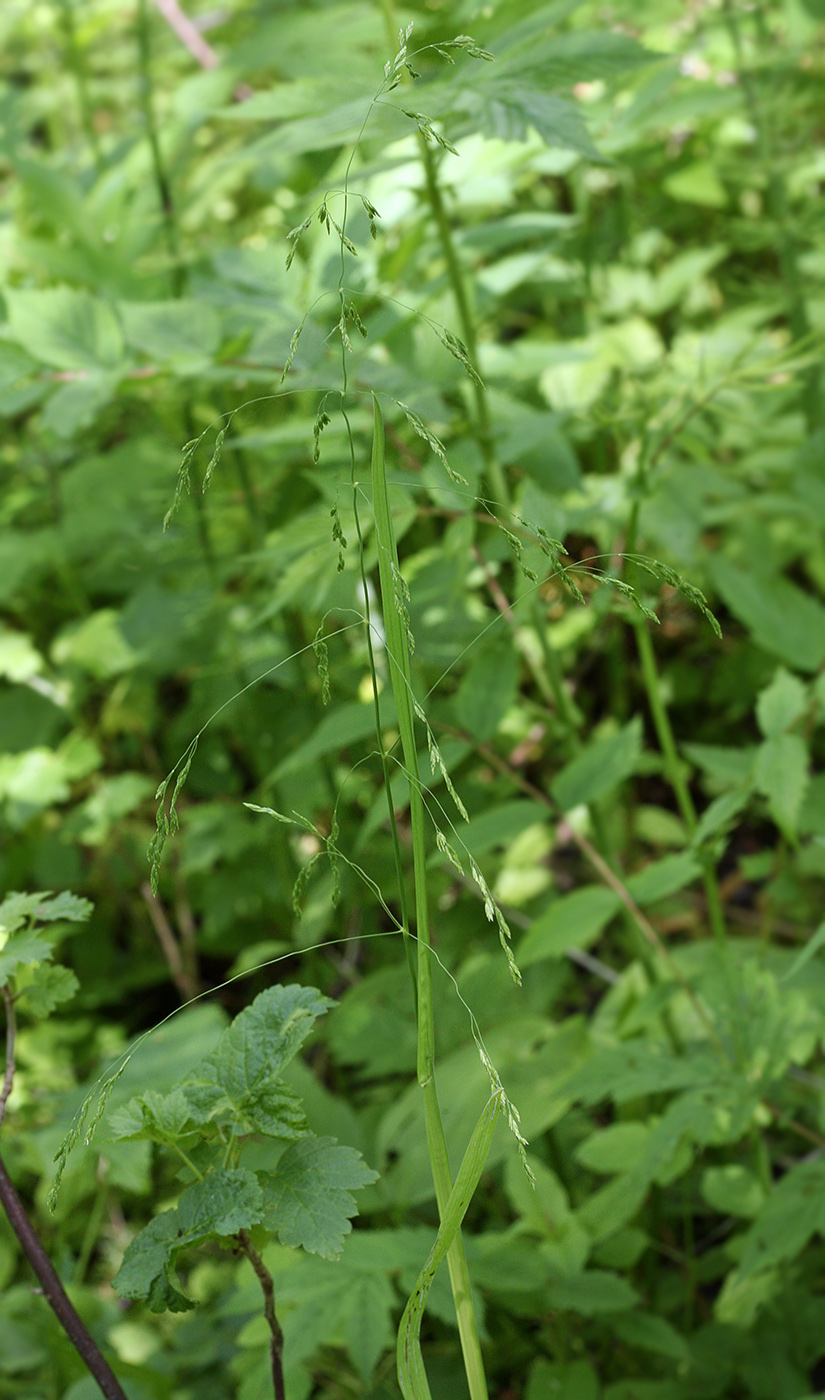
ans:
(398, 655)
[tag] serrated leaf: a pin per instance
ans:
(783, 619)
(307, 1199)
(44, 907)
(48, 987)
(509, 109)
(781, 775)
(223, 1203)
(175, 331)
(663, 877)
(591, 1292)
(224, 1093)
(263, 1039)
(144, 1271)
(781, 703)
(793, 1212)
(575, 920)
(21, 950)
(65, 327)
(599, 768)
(155, 1117)
(487, 690)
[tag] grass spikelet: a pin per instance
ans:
(76, 1131)
(166, 822)
(430, 133)
(293, 347)
(496, 917)
(459, 351)
(319, 646)
(299, 888)
(183, 483)
(434, 443)
(294, 238)
(437, 763)
(322, 420)
(338, 537)
(446, 849)
(401, 593)
(689, 591)
(215, 458)
(626, 590)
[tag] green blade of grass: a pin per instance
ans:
(412, 1377)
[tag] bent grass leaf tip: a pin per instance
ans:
(412, 1376)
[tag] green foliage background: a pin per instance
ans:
(633, 218)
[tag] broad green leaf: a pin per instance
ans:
(65, 328)
(574, 1380)
(96, 645)
(144, 1272)
(19, 658)
(599, 768)
(647, 1332)
(792, 1214)
(617, 1148)
(812, 947)
(21, 1349)
(719, 815)
(229, 1092)
(351, 1298)
(43, 908)
(308, 1201)
(785, 621)
(21, 950)
(574, 920)
(733, 1190)
(562, 60)
(780, 704)
(663, 877)
(223, 1203)
(264, 1037)
(157, 1117)
(508, 109)
(39, 990)
(590, 1293)
(781, 774)
(628, 1071)
(184, 332)
(239, 1084)
(346, 724)
(487, 690)
(501, 825)
(697, 183)
(74, 406)
(545, 1210)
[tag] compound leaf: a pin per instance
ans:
(307, 1200)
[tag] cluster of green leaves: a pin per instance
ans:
(235, 1095)
(644, 264)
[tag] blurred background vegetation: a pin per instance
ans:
(630, 241)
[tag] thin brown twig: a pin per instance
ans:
(266, 1281)
(181, 975)
(192, 39)
(11, 1034)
